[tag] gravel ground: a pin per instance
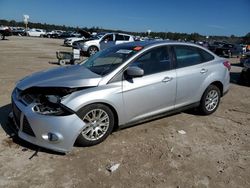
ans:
(214, 152)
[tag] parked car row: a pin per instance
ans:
(53, 34)
(224, 49)
(36, 32)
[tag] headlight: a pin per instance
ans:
(47, 110)
(50, 105)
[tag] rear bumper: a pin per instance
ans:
(57, 133)
(226, 83)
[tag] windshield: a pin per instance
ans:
(106, 61)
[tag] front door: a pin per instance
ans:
(107, 41)
(154, 92)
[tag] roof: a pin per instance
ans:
(152, 43)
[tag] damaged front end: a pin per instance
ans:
(43, 120)
(48, 100)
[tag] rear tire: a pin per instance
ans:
(210, 100)
(99, 121)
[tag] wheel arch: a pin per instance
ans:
(219, 85)
(93, 45)
(116, 118)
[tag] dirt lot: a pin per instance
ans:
(214, 152)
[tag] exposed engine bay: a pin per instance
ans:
(47, 100)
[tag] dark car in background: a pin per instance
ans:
(216, 44)
(53, 34)
(229, 50)
(68, 34)
(18, 31)
(245, 73)
(4, 31)
(244, 57)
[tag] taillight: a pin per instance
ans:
(227, 65)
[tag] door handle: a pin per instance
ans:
(203, 71)
(167, 79)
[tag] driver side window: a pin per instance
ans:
(108, 38)
(154, 61)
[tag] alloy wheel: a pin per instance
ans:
(92, 51)
(212, 100)
(97, 124)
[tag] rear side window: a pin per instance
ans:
(119, 37)
(206, 56)
(126, 37)
(187, 56)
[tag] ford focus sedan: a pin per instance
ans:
(117, 87)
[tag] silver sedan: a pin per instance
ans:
(117, 87)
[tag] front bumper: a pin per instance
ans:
(57, 133)
(84, 48)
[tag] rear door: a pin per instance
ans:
(119, 39)
(153, 93)
(191, 71)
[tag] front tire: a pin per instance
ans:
(99, 120)
(210, 100)
(92, 50)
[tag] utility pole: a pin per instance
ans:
(25, 20)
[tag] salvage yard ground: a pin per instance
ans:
(214, 150)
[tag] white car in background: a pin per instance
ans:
(104, 40)
(36, 32)
(69, 41)
(83, 35)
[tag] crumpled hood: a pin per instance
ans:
(68, 76)
(75, 38)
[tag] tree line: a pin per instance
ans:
(164, 35)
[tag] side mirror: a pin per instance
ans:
(134, 72)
